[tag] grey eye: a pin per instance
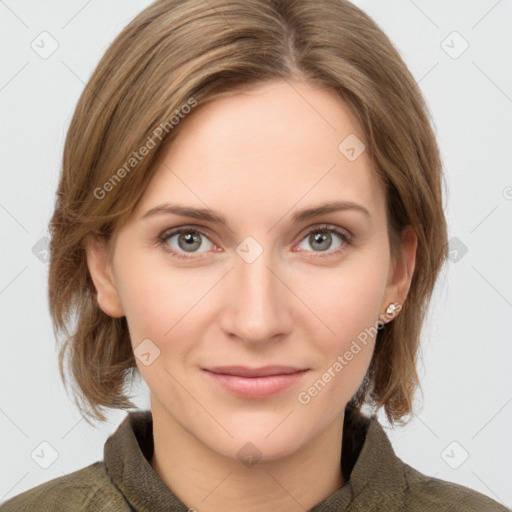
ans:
(189, 241)
(321, 240)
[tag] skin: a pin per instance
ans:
(256, 158)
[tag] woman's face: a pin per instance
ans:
(272, 284)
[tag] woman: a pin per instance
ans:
(250, 216)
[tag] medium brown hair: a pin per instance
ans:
(175, 53)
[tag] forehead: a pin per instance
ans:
(262, 152)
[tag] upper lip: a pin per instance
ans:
(263, 371)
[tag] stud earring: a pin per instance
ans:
(391, 309)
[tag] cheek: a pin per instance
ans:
(348, 303)
(163, 304)
(157, 297)
(346, 298)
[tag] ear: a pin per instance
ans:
(401, 270)
(100, 268)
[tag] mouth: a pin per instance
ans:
(255, 383)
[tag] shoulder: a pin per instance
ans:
(427, 493)
(87, 489)
(380, 480)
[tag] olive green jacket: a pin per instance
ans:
(376, 479)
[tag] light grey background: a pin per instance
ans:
(466, 408)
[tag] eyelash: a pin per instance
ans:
(346, 238)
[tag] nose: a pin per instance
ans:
(257, 306)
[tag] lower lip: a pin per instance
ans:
(256, 387)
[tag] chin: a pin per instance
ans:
(265, 437)
(249, 449)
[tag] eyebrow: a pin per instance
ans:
(209, 215)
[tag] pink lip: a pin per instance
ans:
(255, 382)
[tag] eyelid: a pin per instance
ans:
(187, 227)
(327, 227)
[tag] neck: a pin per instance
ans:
(207, 481)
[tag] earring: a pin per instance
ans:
(391, 309)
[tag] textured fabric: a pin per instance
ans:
(376, 479)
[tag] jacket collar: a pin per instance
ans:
(373, 473)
